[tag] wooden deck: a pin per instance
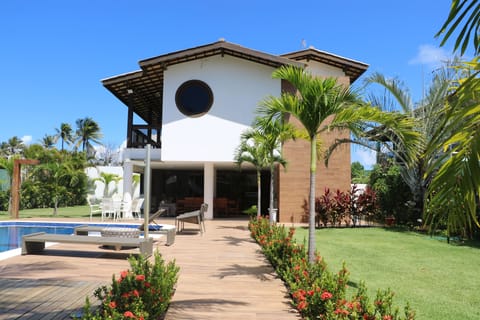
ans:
(223, 275)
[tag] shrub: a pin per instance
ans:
(143, 292)
(335, 208)
(316, 292)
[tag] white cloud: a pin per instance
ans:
(26, 140)
(366, 157)
(430, 55)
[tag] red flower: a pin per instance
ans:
(326, 295)
(112, 304)
(147, 284)
(310, 292)
(125, 295)
(129, 314)
(342, 312)
(135, 293)
(388, 317)
(123, 274)
(302, 305)
(140, 277)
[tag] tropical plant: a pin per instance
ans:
(252, 151)
(88, 132)
(316, 102)
(65, 134)
(394, 195)
(464, 14)
(48, 141)
(14, 145)
(7, 164)
(453, 193)
(427, 113)
(60, 179)
(359, 174)
(318, 293)
(273, 133)
(107, 178)
(142, 292)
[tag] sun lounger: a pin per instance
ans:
(162, 229)
(154, 228)
(35, 242)
(195, 217)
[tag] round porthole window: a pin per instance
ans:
(194, 98)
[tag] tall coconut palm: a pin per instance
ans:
(48, 141)
(316, 101)
(65, 134)
(14, 145)
(88, 131)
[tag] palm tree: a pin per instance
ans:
(316, 101)
(106, 178)
(87, 132)
(65, 134)
(428, 113)
(273, 133)
(48, 141)
(252, 150)
(453, 193)
(14, 145)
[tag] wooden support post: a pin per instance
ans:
(16, 181)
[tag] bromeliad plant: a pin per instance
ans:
(142, 292)
(317, 293)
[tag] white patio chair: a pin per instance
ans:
(108, 210)
(94, 207)
(137, 207)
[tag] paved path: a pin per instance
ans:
(223, 275)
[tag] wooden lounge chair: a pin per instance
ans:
(194, 217)
(154, 228)
(35, 242)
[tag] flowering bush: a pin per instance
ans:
(316, 292)
(143, 292)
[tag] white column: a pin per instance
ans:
(127, 177)
(208, 187)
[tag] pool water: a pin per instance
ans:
(11, 233)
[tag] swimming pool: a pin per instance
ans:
(11, 232)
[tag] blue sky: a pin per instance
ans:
(54, 53)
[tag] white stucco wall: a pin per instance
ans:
(117, 188)
(324, 70)
(238, 86)
(207, 138)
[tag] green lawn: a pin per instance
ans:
(63, 212)
(440, 280)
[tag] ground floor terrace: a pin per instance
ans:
(181, 187)
(223, 275)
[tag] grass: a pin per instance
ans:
(439, 280)
(63, 212)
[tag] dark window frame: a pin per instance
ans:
(194, 111)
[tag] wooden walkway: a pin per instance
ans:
(223, 275)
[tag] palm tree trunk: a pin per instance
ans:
(311, 200)
(259, 193)
(271, 210)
